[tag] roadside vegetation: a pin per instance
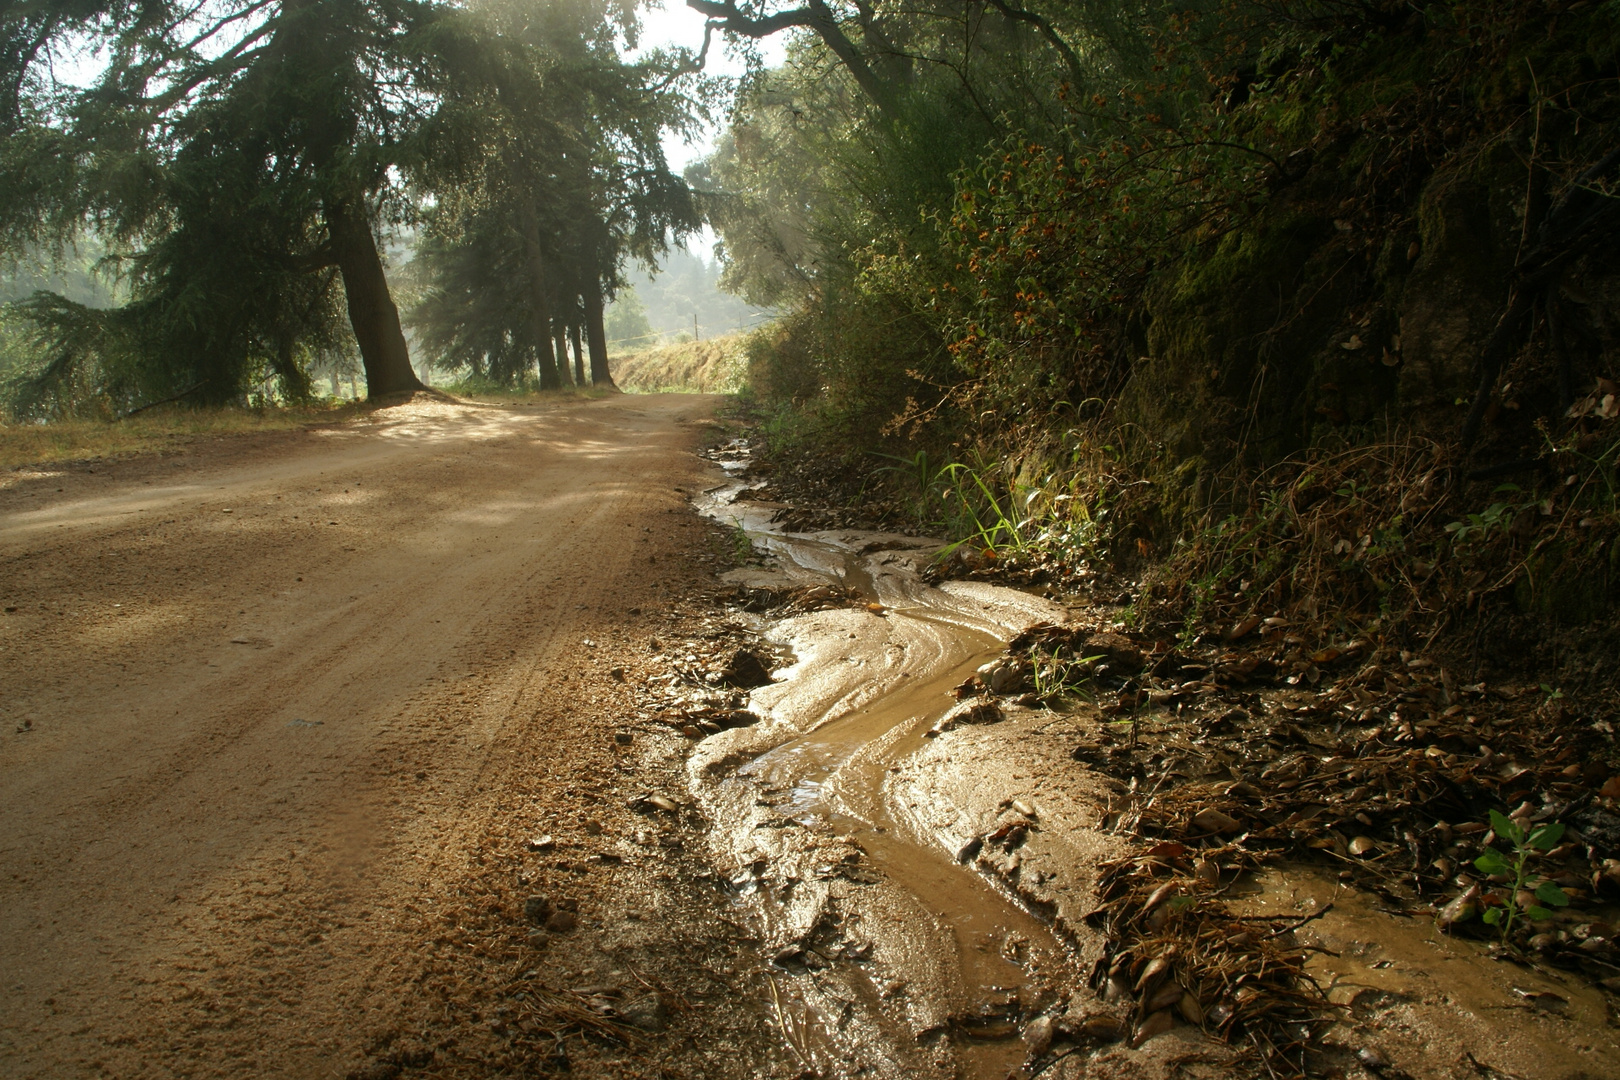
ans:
(1293, 309)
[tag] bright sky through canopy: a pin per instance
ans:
(675, 24)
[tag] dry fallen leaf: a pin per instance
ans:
(1155, 1025)
(1191, 1010)
(1211, 820)
(1461, 909)
(1243, 627)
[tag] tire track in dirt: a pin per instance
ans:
(256, 754)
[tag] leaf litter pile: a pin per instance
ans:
(1492, 809)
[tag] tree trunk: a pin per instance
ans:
(559, 336)
(550, 377)
(540, 304)
(371, 309)
(596, 335)
(579, 356)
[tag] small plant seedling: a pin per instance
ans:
(1494, 864)
(742, 546)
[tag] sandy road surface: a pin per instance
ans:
(265, 703)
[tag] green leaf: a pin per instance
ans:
(1492, 863)
(1537, 913)
(1548, 893)
(1506, 828)
(1546, 838)
(1492, 915)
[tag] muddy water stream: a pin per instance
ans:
(839, 824)
(895, 960)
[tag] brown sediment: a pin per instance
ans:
(852, 822)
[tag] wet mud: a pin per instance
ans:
(917, 871)
(895, 959)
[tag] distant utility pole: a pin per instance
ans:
(694, 327)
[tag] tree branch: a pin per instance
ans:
(815, 15)
(1047, 31)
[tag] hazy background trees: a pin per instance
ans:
(236, 167)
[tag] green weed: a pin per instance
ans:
(1526, 842)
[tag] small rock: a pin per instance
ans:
(541, 843)
(617, 673)
(1372, 1057)
(658, 802)
(560, 922)
(623, 738)
(1038, 1036)
(1003, 676)
(646, 1012)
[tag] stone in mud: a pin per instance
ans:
(646, 1012)
(1038, 1036)
(1003, 676)
(1117, 650)
(973, 711)
(745, 671)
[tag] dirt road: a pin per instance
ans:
(279, 713)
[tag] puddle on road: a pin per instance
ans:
(896, 960)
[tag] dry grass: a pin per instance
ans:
(705, 367)
(151, 432)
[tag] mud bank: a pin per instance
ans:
(919, 870)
